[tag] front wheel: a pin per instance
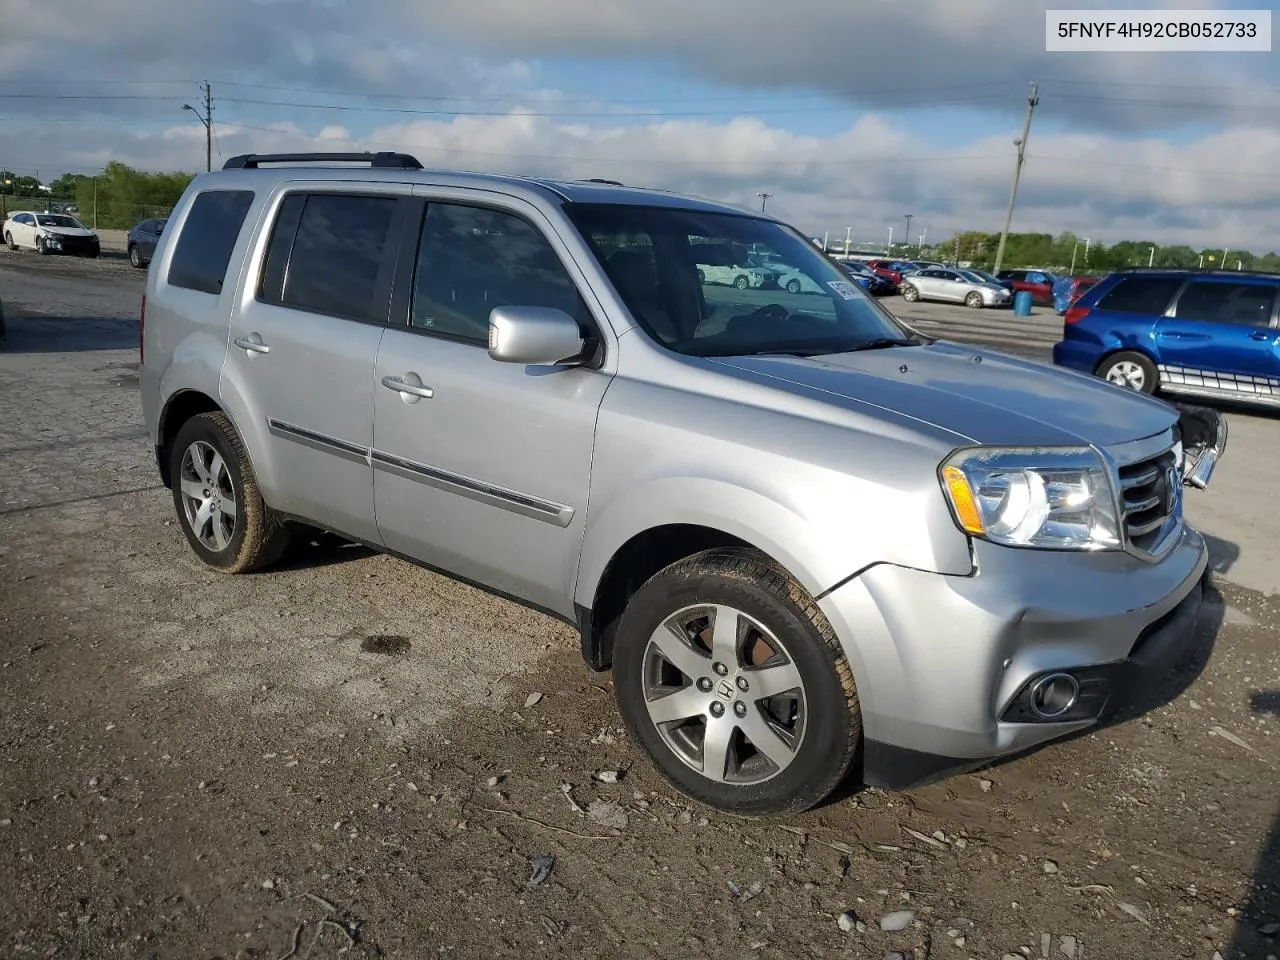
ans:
(793, 286)
(973, 300)
(135, 257)
(1131, 370)
(910, 293)
(41, 247)
(741, 282)
(735, 684)
(216, 496)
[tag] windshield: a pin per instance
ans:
(689, 279)
(973, 276)
(58, 220)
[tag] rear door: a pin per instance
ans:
(1221, 337)
(304, 341)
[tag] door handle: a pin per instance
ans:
(252, 343)
(1259, 336)
(404, 387)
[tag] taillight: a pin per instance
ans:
(1076, 313)
(142, 327)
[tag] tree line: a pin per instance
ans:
(1058, 253)
(116, 199)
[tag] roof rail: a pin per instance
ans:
(612, 183)
(397, 161)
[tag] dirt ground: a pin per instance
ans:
(350, 756)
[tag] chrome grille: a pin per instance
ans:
(1151, 500)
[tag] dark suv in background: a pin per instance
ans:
(1210, 334)
(143, 239)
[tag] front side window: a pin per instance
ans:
(1246, 304)
(719, 284)
(208, 236)
(472, 259)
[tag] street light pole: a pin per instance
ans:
(848, 238)
(207, 119)
(906, 237)
(764, 198)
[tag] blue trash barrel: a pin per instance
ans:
(1022, 303)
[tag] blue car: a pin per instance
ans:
(1207, 334)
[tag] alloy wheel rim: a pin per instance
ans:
(724, 694)
(208, 496)
(1126, 373)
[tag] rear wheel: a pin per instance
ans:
(910, 293)
(216, 496)
(733, 681)
(1129, 369)
(8, 239)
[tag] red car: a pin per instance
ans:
(1038, 282)
(883, 269)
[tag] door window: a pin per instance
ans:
(1242, 303)
(472, 259)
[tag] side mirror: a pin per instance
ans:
(539, 336)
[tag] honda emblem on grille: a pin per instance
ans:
(1172, 490)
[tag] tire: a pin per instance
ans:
(8, 240)
(973, 300)
(702, 277)
(742, 283)
(135, 257)
(821, 737)
(41, 248)
(793, 286)
(255, 537)
(910, 293)
(1131, 370)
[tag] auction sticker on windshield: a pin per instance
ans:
(1158, 31)
(844, 289)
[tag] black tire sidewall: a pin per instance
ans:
(203, 428)
(807, 779)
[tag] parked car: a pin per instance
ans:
(869, 280)
(736, 275)
(990, 278)
(50, 233)
(142, 240)
(954, 286)
(1067, 289)
(1206, 334)
(1038, 283)
(800, 535)
(886, 269)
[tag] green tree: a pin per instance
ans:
(121, 195)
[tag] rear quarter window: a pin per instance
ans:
(1149, 295)
(208, 236)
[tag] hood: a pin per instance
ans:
(68, 231)
(997, 399)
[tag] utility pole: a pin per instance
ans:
(957, 250)
(906, 237)
(764, 198)
(888, 251)
(1151, 257)
(848, 238)
(207, 119)
(924, 233)
(1032, 99)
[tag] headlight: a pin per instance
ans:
(1053, 500)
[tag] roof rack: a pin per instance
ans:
(612, 183)
(396, 161)
(1212, 271)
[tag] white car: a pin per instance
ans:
(955, 286)
(735, 276)
(50, 233)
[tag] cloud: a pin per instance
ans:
(866, 176)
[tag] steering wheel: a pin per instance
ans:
(772, 311)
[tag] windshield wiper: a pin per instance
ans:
(882, 343)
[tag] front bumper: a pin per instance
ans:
(944, 663)
(74, 246)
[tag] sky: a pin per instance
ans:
(849, 113)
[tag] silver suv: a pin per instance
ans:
(803, 535)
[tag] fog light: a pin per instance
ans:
(1054, 695)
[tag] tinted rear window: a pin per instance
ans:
(338, 256)
(1140, 295)
(208, 236)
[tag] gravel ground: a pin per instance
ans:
(348, 753)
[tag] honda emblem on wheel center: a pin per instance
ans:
(724, 690)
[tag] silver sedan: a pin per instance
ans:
(954, 286)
